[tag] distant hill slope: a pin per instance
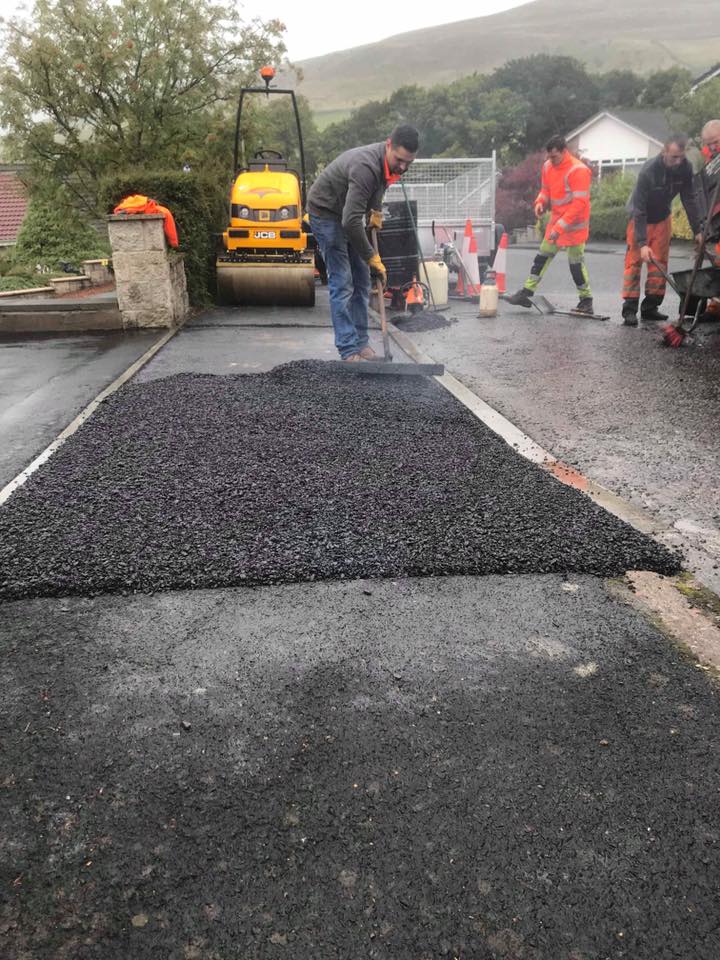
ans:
(642, 35)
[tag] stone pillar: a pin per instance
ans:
(150, 278)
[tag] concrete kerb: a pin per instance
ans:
(689, 627)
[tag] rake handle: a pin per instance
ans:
(381, 301)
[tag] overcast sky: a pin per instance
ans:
(321, 27)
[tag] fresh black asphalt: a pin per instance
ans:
(497, 768)
(294, 475)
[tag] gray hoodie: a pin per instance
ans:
(347, 189)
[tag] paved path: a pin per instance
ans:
(495, 768)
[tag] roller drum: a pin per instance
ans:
(259, 284)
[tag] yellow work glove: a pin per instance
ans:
(377, 269)
(376, 219)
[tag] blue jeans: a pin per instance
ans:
(349, 285)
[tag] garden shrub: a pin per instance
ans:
(55, 232)
(199, 206)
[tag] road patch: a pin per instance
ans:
(292, 475)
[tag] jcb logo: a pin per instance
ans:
(264, 234)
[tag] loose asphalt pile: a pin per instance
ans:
(421, 322)
(293, 475)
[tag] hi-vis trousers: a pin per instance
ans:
(658, 239)
(576, 260)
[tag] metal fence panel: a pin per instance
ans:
(450, 192)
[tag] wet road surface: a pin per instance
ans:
(606, 399)
(498, 768)
(46, 381)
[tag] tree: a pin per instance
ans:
(483, 120)
(516, 191)
(275, 129)
(693, 110)
(619, 88)
(559, 90)
(663, 87)
(92, 86)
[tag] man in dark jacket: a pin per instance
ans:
(345, 197)
(650, 228)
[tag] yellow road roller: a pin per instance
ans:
(263, 256)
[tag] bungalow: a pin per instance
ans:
(620, 140)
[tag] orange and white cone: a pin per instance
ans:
(472, 286)
(500, 263)
(460, 290)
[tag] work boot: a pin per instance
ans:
(629, 318)
(629, 313)
(521, 299)
(367, 353)
(585, 305)
(353, 358)
(652, 313)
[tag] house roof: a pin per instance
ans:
(650, 123)
(704, 77)
(13, 204)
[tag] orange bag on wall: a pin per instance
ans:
(137, 203)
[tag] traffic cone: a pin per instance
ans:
(472, 287)
(500, 263)
(467, 237)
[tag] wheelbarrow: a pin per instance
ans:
(698, 284)
(694, 288)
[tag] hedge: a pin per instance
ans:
(199, 206)
(608, 223)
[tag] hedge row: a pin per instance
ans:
(199, 206)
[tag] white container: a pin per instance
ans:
(435, 275)
(488, 296)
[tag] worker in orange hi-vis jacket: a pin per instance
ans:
(565, 192)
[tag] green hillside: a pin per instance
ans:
(643, 36)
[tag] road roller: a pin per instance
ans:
(264, 256)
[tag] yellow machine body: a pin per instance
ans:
(264, 257)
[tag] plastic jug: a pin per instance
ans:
(437, 279)
(488, 296)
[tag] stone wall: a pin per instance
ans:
(150, 278)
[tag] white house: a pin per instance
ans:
(619, 139)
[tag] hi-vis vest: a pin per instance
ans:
(565, 191)
(138, 203)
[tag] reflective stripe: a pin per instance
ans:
(570, 196)
(573, 227)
